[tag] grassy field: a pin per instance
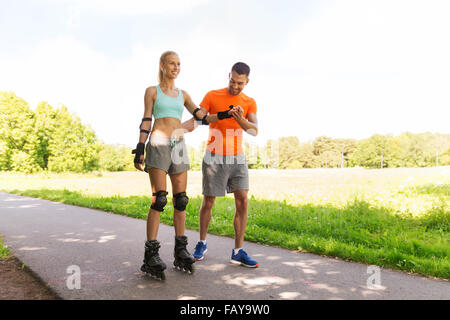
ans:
(397, 218)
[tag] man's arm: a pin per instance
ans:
(251, 125)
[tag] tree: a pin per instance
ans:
(45, 124)
(113, 157)
(288, 151)
(327, 151)
(372, 151)
(306, 156)
(73, 146)
(272, 151)
(16, 134)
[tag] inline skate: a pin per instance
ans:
(153, 264)
(183, 259)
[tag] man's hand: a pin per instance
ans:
(237, 112)
(250, 126)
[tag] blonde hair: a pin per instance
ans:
(162, 60)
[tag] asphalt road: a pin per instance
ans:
(89, 254)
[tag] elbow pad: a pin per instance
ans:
(140, 126)
(195, 114)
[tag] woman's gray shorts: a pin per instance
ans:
(168, 154)
(221, 174)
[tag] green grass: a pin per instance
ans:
(4, 252)
(397, 234)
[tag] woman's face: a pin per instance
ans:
(171, 67)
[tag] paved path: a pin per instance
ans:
(50, 237)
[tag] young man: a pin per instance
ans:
(224, 166)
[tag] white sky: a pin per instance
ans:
(345, 68)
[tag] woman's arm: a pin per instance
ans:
(145, 127)
(191, 106)
(146, 123)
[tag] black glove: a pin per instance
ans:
(138, 152)
(224, 114)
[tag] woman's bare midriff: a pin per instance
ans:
(167, 127)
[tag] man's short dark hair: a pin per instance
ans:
(241, 68)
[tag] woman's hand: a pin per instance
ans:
(190, 125)
(138, 165)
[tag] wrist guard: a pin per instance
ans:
(204, 121)
(224, 114)
(138, 152)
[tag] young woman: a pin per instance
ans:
(166, 153)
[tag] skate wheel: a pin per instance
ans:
(159, 276)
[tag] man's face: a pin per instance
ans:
(237, 82)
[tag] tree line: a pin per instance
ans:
(378, 151)
(53, 139)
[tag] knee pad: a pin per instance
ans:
(160, 201)
(180, 201)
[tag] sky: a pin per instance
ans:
(343, 69)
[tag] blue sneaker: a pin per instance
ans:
(200, 250)
(242, 259)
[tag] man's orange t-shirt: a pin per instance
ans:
(225, 136)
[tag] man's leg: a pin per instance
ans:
(204, 219)
(239, 256)
(205, 215)
(213, 184)
(240, 217)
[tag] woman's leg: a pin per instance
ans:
(179, 184)
(158, 183)
(183, 259)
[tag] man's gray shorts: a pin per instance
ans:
(221, 174)
(167, 154)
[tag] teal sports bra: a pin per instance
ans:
(166, 106)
